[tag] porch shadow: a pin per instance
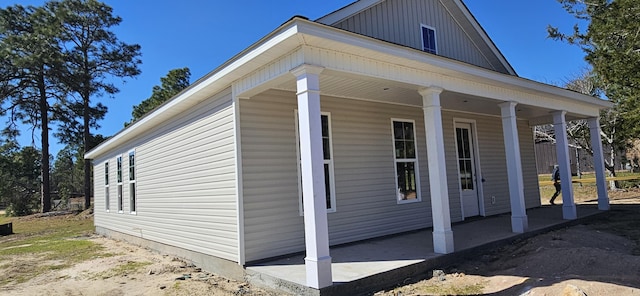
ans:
(385, 262)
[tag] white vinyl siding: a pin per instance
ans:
(401, 21)
(185, 182)
(364, 173)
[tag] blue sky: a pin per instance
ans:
(202, 34)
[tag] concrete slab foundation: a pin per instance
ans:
(376, 264)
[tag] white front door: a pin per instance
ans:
(467, 169)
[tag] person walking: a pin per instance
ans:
(555, 177)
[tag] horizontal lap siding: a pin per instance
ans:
(186, 186)
(365, 172)
(363, 166)
(399, 21)
(270, 190)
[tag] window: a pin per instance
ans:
(119, 180)
(132, 182)
(327, 152)
(406, 162)
(429, 39)
(106, 186)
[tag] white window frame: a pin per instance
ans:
(119, 192)
(329, 162)
(435, 39)
(107, 200)
(133, 188)
(416, 164)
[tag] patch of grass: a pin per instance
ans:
(123, 269)
(450, 289)
(44, 244)
(582, 192)
(176, 286)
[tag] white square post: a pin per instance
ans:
(562, 151)
(519, 220)
(316, 231)
(598, 163)
(442, 233)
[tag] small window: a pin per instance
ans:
(119, 180)
(106, 186)
(132, 182)
(327, 152)
(406, 162)
(429, 39)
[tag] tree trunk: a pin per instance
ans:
(44, 118)
(87, 164)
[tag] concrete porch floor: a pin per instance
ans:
(383, 262)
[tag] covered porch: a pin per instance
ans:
(379, 263)
(315, 63)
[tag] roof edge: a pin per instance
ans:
(346, 11)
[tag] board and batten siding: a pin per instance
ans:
(364, 172)
(492, 161)
(399, 21)
(186, 184)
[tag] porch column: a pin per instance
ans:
(562, 151)
(598, 163)
(519, 220)
(442, 233)
(317, 260)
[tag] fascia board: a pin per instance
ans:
(347, 11)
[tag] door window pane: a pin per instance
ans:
(465, 161)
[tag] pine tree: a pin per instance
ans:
(172, 84)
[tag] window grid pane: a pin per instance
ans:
(406, 175)
(120, 197)
(106, 198)
(132, 175)
(405, 147)
(132, 197)
(119, 170)
(327, 185)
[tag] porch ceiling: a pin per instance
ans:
(352, 86)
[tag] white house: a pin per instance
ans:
(383, 117)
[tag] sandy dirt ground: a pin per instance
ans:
(157, 274)
(593, 258)
(580, 260)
